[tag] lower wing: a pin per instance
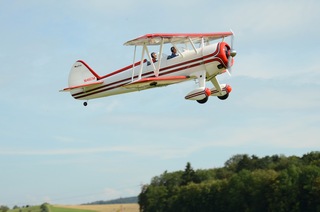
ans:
(152, 82)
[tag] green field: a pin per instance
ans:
(27, 209)
(79, 208)
(50, 208)
(60, 209)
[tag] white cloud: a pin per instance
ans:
(280, 99)
(256, 65)
(157, 149)
(287, 135)
(273, 65)
(274, 19)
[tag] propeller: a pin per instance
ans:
(232, 53)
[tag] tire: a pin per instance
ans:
(224, 97)
(202, 101)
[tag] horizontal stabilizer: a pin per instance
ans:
(152, 82)
(89, 85)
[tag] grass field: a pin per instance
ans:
(98, 208)
(60, 208)
(82, 208)
(28, 209)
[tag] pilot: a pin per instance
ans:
(154, 58)
(173, 53)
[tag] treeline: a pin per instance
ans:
(245, 183)
(4, 208)
(26, 208)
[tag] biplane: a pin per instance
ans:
(197, 57)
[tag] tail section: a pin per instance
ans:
(82, 74)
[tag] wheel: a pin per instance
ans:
(85, 103)
(223, 97)
(202, 101)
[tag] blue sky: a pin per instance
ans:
(53, 149)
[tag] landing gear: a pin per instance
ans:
(85, 103)
(224, 97)
(202, 101)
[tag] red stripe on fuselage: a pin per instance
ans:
(151, 73)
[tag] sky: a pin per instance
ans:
(53, 149)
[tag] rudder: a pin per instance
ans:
(81, 74)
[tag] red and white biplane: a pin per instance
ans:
(197, 58)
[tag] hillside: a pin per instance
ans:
(125, 200)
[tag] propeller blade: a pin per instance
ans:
(232, 53)
(232, 38)
(228, 72)
(229, 64)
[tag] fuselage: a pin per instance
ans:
(212, 59)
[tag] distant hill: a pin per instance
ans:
(115, 201)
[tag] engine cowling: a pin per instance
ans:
(224, 55)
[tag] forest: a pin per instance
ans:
(244, 183)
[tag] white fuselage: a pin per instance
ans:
(205, 59)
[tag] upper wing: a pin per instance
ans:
(152, 82)
(155, 39)
(84, 86)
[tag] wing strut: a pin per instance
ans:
(142, 58)
(156, 72)
(192, 44)
(134, 59)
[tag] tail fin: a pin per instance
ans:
(82, 74)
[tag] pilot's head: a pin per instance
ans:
(153, 55)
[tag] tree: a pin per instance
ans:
(309, 188)
(142, 198)
(44, 207)
(189, 175)
(4, 208)
(285, 190)
(167, 179)
(245, 183)
(232, 163)
(312, 158)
